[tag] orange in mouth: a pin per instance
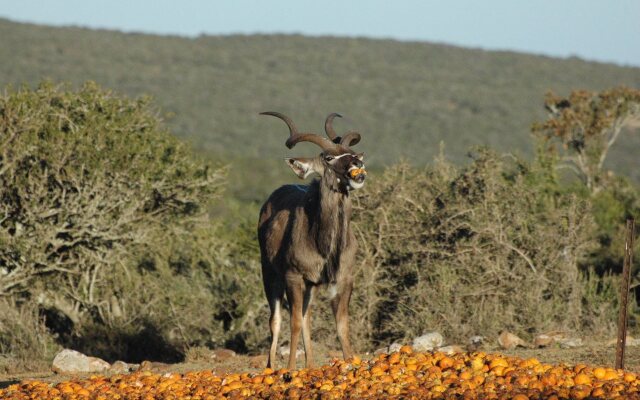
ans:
(357, 171)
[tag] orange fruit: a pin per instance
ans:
(406, 349)
(580, 392)
(610, 375)
(629, 377)
(477, 363)
(465, 375)
(438, 388)
(578, 368)
(498, 362)
(582, 379)
(599, 372)
(446, 362)
(412, 375)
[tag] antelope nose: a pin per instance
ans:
(357, 163)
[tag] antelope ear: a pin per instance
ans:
(300, 166)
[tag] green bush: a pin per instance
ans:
(474, 251)
(103, 220)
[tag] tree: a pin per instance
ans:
(586, 125)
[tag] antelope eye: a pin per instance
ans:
(328, 158)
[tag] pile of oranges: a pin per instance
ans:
(402, 374)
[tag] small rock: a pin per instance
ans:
(557, 335)
(394, 347)
(508, 340)
(154, 366)
(428, 341)
(145, 366)
(452, 349)
(382, 350)
(70, 361)
(475, 342)
(632, 342)
(258, 361)
(121, 367)
(549, 338)
(284, 352)
(629, 341)
(543, 340)
(222, 354)
(569, 343)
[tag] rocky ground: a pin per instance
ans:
(225, 361)
(563, 373)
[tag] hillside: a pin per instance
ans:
(405, 98)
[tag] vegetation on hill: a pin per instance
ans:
(405, 98)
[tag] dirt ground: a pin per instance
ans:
(591, 354)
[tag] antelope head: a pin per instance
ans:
(340, 167)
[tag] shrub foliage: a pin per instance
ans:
(475, 251)
(102, 216)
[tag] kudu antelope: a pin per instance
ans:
(306, 239)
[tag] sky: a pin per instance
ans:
(596, 30)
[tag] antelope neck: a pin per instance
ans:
(331, 224)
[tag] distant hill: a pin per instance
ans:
(405, 98)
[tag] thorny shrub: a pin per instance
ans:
(474, 250)
(103, 225)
